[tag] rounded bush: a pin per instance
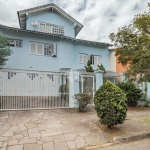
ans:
(110, 104)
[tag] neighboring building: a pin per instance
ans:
(46, 40)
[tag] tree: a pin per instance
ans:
(4, 50)
(132, 44)
(89, 68)
(101, 67)
(110, 104)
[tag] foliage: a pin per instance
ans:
(110, 104)
(89, 68)
(82, 99)
(101, 67)
(133, 94)
(132, 44)
(64, 90)
(4, 50)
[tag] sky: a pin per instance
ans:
(99, 17)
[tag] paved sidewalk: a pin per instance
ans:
(60, 129)
(133, 125)
(137, 145)
(57, 129)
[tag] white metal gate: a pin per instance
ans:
(87, 84)
(24, 89)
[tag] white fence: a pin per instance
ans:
(26, 89)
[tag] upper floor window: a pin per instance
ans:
(15, 43)
(84, 58)
(43, 49)
(52, 29)
(95, 59)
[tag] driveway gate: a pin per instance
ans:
(26, 89)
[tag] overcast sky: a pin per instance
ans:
(99, 17)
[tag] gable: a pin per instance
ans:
(23, 15)
(52, 18)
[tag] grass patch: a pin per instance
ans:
(114, 131)
(145, 120)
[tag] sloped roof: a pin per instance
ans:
(55, 35)
(43, 8)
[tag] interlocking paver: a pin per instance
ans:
(13, 142)
(80, 142)
(48, 146)
(61, 146)
(33, 130)
(28, 141)
(70, 136)
(17, 137)
(32, 147)
(34, 135)
(46, 139)
(8, 133)
(16, 147)
(71, 144)
(58, 138)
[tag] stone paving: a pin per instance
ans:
(61, 129)
(57, 129)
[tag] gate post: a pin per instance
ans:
(99, 78)
(73, 87)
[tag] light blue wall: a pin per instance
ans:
(52, 18)
(67, 53)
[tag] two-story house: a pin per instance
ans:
(43, 46)
(46, 40)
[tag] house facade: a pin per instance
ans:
(47, 40)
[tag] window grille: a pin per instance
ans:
(15, 43)
(95, 60)
(52, 29)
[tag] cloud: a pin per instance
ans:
(99, 17)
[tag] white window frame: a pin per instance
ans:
(53, 29)
(43, 50)
(15, 40)
(36, 48)
(83, 55)
(96, 57)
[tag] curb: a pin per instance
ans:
(130, 138)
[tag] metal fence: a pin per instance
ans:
(28, 89)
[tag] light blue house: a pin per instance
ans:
(43, 46)
(47, 40)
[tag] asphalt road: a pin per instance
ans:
(137, 145)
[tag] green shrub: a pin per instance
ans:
(133, 94)
(110, 104)
(82, 99)
(64, 90)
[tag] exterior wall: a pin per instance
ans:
(112, 63)
(67, 53)
(119, 67)
(52, 18)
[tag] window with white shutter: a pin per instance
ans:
(43, 49)
(40, 49)
(33, 48)
(95, 60)
(84, 58)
